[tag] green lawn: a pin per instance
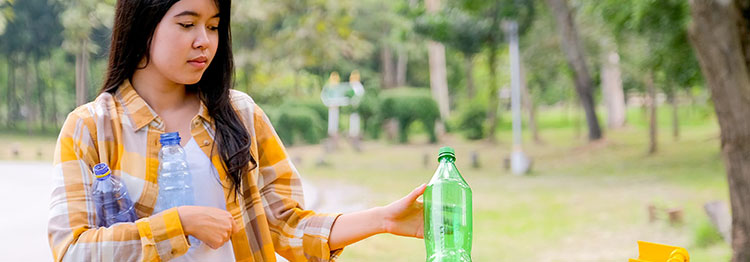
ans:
(28, 148)
(582, 202)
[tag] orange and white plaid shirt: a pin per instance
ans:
(121, 130)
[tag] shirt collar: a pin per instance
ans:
(139, 112)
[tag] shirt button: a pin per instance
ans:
(196, 123)
(206, 142)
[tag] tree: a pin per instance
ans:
(387, 26)
(35, 31)
(451, 27)
(268, 36)
(79, 19)
(6, 13)
(571, 45)
(549, 82)
(669, 57)
(457, 29)
(438, 75)
(721, 37)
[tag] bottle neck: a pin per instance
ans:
(166, 143)
(447, 169)
(446, 159)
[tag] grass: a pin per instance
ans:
(28, 148)
(582, 201)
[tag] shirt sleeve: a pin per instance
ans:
(298, 234)
(72, 231)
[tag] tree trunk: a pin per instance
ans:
(81, 74)
(53, 95)
(10, 98)
(672, 98)
(41, 89)
(438, 75)
(576, 60)
(492, 99)
(386, 64)
(721, 37)
(614, 98)
(28, 106)
(469, 67)
(529, 106)
(401, 65)
(651, 101)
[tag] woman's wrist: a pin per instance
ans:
(183, 214)
(379, 214)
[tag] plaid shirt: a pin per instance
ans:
(123, 131)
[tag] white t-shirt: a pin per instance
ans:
(208, 192)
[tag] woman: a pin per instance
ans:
(170, 70)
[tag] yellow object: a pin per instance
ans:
(652, 252)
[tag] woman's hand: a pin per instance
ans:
(404, 217)
(211, 225)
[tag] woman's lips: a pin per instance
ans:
(199, 62)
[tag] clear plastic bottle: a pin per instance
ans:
(175, 181)
(447, 213)
(113, 205)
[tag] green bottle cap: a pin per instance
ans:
(446, 151)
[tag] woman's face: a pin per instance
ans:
(185, 41)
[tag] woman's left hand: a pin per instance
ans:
(404, 217)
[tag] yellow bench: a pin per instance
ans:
(652, 252)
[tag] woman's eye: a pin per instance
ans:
(213, 28)
(185, 25)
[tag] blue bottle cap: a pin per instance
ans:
(172, 138)
(101, 171)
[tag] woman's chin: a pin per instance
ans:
(190, 80)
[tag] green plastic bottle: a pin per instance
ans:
(447, 212)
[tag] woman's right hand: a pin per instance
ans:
(211, 225)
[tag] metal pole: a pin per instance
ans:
(519, 162)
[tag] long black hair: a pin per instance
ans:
(132, 33)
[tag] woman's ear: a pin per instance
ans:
(143, 63)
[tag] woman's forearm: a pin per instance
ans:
(353, 227)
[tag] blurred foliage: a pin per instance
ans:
(407, 105)
(369, 112)
(306, 119)
(302, 122)
(6, 13)
(705, 234)
(470, 121)
(285, 50)
(660, 29)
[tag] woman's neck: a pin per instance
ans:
(161, 94)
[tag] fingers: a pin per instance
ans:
(214, 246)
(416, 193)
(235, 227)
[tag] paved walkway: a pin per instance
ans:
(23, 225)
